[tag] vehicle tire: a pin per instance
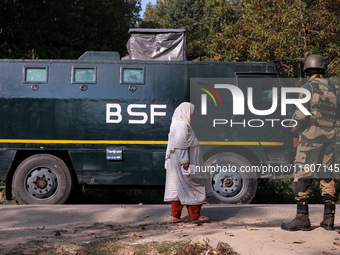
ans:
(42, 179)
(227, 186)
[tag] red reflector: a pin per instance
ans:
(295, 141)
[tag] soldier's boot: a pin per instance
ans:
(301, 221)
(328, 217)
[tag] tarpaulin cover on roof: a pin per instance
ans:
(157, 44)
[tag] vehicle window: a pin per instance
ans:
(262, 85)
(84, 75)
(132, 75)
(36, 74)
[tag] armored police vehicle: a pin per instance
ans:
(103, 120)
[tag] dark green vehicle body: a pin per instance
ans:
(66, 118)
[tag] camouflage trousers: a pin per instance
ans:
(314, 160)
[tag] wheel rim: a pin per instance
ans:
(227, 184)
(41, 183)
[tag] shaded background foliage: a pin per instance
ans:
(268, 30)
(256, 30)
(217, 30)
(64, 28)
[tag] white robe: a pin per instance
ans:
(183, 146)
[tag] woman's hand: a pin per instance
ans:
(294, 130)
(185, 165)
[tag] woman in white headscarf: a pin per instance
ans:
(183, 149)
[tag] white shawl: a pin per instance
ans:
(180, 187)
(179, 138)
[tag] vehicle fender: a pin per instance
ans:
(7, 157)
(259, 152)
(255, 154)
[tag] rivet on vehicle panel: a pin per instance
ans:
(35, 87)
(83, 87)
(132, 88)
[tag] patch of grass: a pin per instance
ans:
(42, 250)
(142, 249)
(168, 248)
(189, 248)
(8, 202)
(105, 247)
(3, 200)
(193, 249)
(224, 248)
(3, 197)
(108, 247)
(38, 247)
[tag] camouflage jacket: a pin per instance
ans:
(320, 126)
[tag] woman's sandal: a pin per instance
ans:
(175, 220)
(201, 219)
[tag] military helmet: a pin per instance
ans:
(315, 62)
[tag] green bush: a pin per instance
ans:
(281, 191)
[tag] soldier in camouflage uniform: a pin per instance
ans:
(316, 146)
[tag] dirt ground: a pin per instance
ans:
(248, 229)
